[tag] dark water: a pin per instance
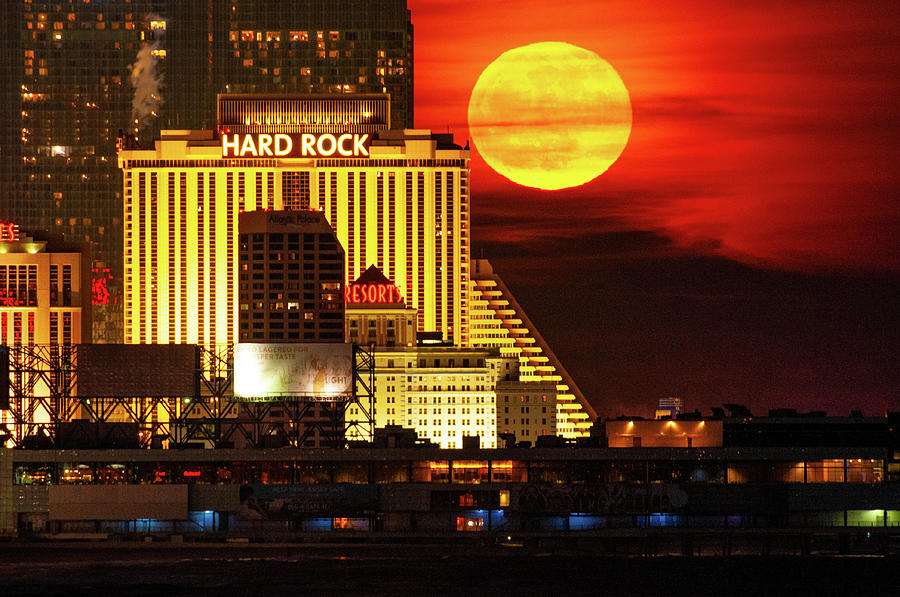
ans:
(139, 570)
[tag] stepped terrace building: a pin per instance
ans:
(498, 321)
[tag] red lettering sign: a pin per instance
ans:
(361, 294)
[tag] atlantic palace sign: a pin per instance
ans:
(295, 145)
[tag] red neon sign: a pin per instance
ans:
(99, 289)
(100, 292)
(358, 294)
(9, 231)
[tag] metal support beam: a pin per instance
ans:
(43, 384)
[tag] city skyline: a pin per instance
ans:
(743, 247)
(352, 354)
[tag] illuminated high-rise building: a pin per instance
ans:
(45, 310)
(74, 72)
(397, 199)
(45, 292)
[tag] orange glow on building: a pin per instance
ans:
(664, 434)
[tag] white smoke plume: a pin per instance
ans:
(147, 80)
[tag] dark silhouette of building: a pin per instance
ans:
(291, 278)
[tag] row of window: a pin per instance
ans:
(455, 471)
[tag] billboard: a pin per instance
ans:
(321, 371)
(163, 370)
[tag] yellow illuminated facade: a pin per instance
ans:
(404, 208)
(498, 321)
(444, 393)
(45, 300)
(400, 203)
(45, 294)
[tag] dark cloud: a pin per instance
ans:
(653, 324)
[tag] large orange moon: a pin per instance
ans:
(550, 115)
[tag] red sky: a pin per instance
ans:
(744, 248)
(763, 131)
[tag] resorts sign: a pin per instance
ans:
(295, 145)
(361, 294)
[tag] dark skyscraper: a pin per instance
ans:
(73, 73)
(278, 244)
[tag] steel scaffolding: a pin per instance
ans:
(43, 380)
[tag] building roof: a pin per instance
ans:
(373, 275)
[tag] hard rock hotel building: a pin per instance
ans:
(397, 199)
